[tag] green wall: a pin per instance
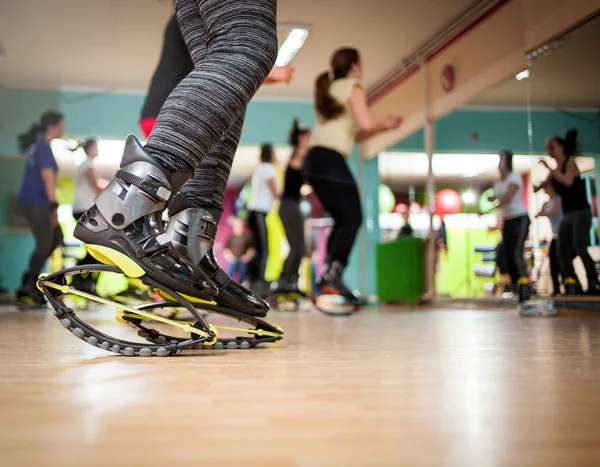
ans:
(107, 116)
(505, 129)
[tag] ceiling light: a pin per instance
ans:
(523, 75)
(544, 50)
(468, 197)
(291, 45)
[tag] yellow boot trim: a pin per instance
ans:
(112, 257)
(524, 281)
(571, 281)
(185, 326)
(195, 300)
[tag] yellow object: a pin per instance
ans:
(115, 258)
(523, 281)
(195, 300)
(146, 316)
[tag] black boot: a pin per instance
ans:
(331, 282)
(29, 294)
(192, 231)
(124, 227)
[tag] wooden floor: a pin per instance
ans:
(434, 388)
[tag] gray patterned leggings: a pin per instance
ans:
(233, 44)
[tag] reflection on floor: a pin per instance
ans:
(388, 387)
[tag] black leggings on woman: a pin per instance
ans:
(233, 45)
(293, 223)
(47, 236)
(514, 234)
(574, 236)
(342, 202)
(257, 224)
(330, 177)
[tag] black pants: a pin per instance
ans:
(555, 270)
(514, 234)
(87, 259)
(341, 200)
(258, 226)
(293, 223)
(501, 258)
(574, 235)
(330, 177)
(48, 237)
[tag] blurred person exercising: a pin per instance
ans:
(37, 199)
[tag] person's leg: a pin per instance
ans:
(38, 218)
(232, 268)
(510, 236)
(293, 223)
(565, 247)
(126, 217)
(581, 237)
(242, 272)
(252, 266)
(522, 230)
(241, 41)
(263, 241)
(342, 202)
(554, 267)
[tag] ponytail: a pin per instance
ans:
(296, 132)
(572, 143)
(327, 106)
(26, 140)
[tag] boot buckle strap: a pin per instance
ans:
(151, 187)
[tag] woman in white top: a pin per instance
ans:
(343, 119)
(86, 189)
(515, 226)
(86, 183)
(264, 192)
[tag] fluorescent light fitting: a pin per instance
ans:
(523, 75)
(544, 50)
(291, 46)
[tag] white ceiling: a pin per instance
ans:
(566, 78)
(115, 44)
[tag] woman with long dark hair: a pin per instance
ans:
(264, 192)
(37, 199)
(341, 107)
(574, 232)
(289, 209)
(508, 191)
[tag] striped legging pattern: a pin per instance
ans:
(233, 44)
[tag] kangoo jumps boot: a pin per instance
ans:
(124, 227)
(192, 231)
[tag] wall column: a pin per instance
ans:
(429, 149)
(361, 273)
